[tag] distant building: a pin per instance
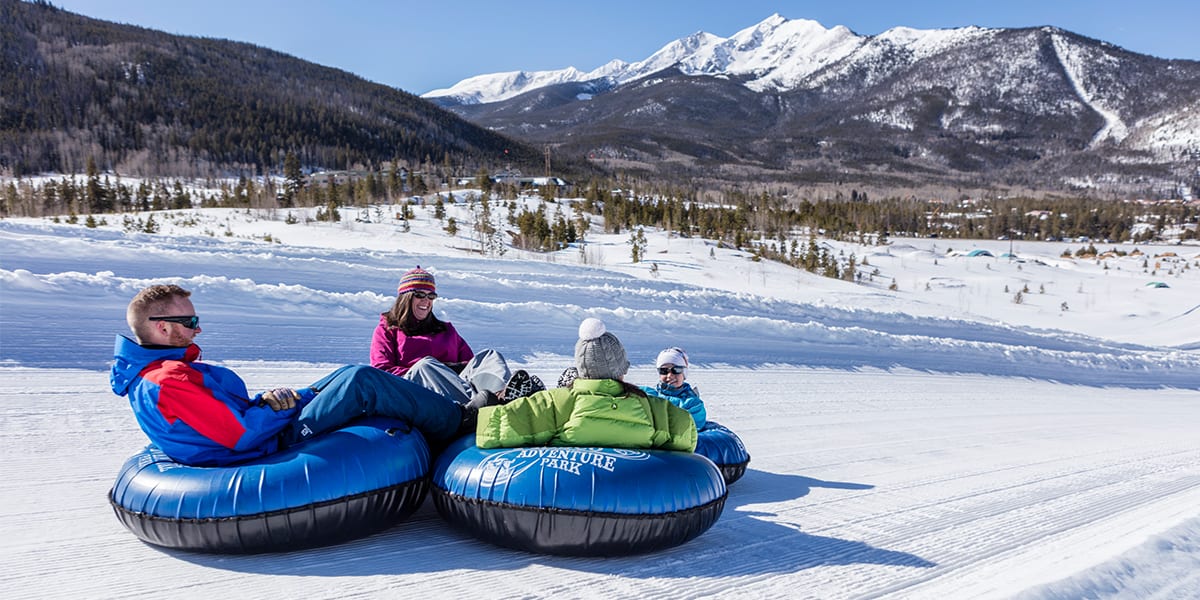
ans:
(323, 178)
(515, 178)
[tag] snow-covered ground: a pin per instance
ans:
(938, 440)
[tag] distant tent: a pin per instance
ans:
(1157, 284)
(980, 252)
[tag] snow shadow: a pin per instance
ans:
(742, 542)
(756, 487)
(744, 546)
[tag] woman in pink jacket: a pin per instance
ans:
(410, 341)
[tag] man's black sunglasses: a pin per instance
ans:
(675, 369)
(191, 322)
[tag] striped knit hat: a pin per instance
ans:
(416, 279)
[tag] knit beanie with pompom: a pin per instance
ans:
(416, 279)
(598, 353)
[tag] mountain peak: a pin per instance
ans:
(777, 51)
(774, 20)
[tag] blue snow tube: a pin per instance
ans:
(344, 484)
(717, 443)
(577, 501)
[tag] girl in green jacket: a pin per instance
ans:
(598, 409)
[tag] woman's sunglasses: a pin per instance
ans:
(676, 370)
(191, 322)
(419, 295)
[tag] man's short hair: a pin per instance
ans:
(148, 301)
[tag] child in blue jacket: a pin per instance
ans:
(672, 366)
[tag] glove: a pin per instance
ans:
(482, 398)
(280, 398)
(470, 416)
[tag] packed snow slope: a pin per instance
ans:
(936, 440)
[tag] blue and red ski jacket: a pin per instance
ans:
(199, 414)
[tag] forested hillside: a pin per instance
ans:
(143, 102)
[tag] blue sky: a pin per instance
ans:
(429, 44)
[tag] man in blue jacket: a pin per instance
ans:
(202, 415)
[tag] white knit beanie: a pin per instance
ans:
(598, 353)
(672, 356)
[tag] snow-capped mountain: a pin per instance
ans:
(1039, 107)
(777, 52)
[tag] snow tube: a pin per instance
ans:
(344, 484)
(577, 501)
(722, 446)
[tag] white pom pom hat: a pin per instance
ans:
(598, 353)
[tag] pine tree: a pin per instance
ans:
(637, 242)
(293, 180)
(483, 181)
(97, 197)
(181, 199)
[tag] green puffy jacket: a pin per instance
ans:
(592, 412)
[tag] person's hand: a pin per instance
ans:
(470, 416)
(281, 398)
(483, 398)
